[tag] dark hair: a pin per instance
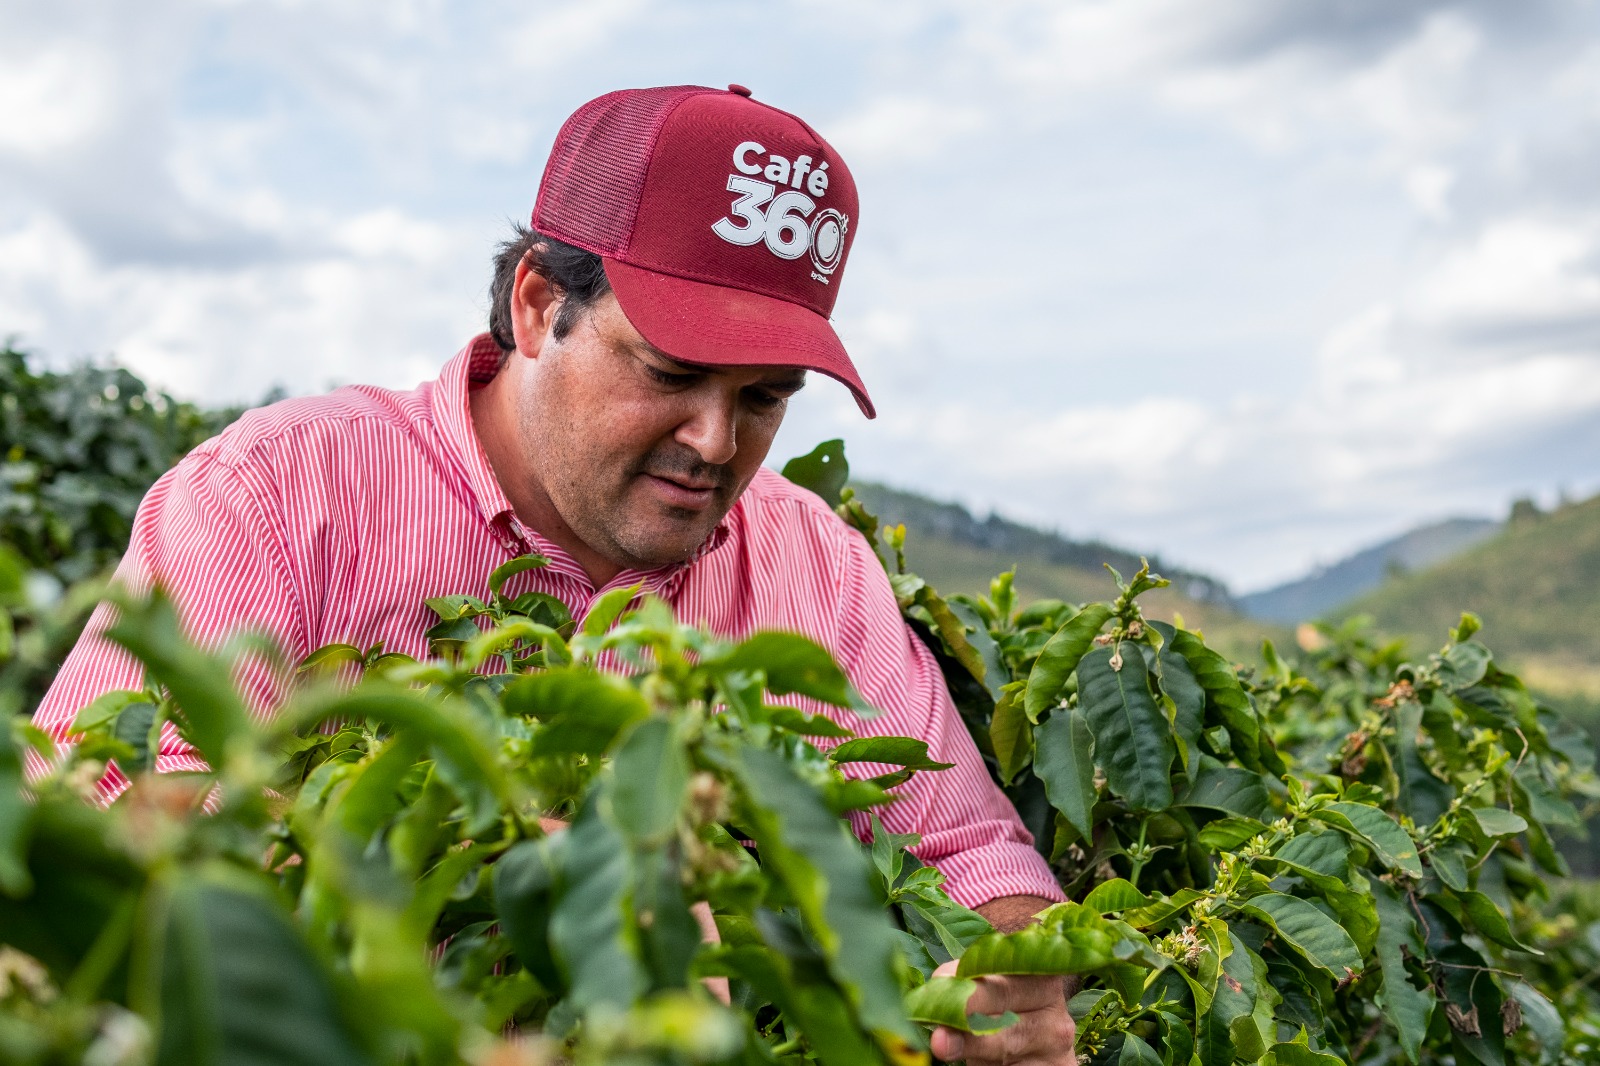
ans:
(578, 276)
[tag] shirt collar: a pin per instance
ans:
(475, 365)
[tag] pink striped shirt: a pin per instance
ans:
(331, 519)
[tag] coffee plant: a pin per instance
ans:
(501, 854)
(78, 449)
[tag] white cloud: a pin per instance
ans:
(1275, 278)
(897, 129)
(1517, 269)
(54, 100)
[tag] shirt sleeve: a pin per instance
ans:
(203, 534)
(970, 832)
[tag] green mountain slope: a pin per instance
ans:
(957, 552)
(1326, 589)
(1536, 586)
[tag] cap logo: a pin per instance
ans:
(775, 212)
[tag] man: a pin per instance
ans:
(645, 337)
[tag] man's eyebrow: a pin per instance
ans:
(793, 379)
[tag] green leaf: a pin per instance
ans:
(1038, 950)
(976, 633)
(583, 710)
(329, 657)
(1288, 1054)
(1316, 936)
(1227, 697)
(1229, 789)
(807, 725)
(1225, 834)
(818, 1010)
(454, 608)
(1449, 863)
(543, 608)
(1321, 858)
(1422, 795)
(823, 470)
(605, 609)
(943, 1001)
(1236, 975)
(136, 727)
(1135, 1052)
(953, 927)
(1161, 908)
(1179, 684)
(1133, 739)
(1012, 736)
(894, 751)
(105, 708)
(888, 850)
(1407, 1007)
(824, 870)
(1498, 823)
(1463, 665)
(591, 926)
(16, 818)
(1490, 921)
(1465, 985)
(238, 986)
(952, 631)
(201, 684)
(1064, 761)
(525, 881)
(507, 570)
(1542, 1018)
(1060, 658)
(1391, 844)
(1177, 1039)
(792, 663)
(651, 772)
(454, 732)
(1117, 894)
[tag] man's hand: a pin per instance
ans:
(1044, 1031)
(1042, 1035)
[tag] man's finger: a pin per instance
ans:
(997, 994)
(1042, 1036)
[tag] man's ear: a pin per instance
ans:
(534, 303)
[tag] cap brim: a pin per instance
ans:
(716, 325)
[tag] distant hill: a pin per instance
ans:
(959, 552)
(1536, 585)
(1333, 586)
(953, 522)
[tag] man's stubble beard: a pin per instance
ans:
(590, 494)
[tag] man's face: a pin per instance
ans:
(638, 455)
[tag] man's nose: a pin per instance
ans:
(711, 429)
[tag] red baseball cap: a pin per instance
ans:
(724, 224)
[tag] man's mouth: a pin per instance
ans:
(678, 492)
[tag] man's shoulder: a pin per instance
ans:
(344, 425)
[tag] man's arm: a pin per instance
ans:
(1010, 913)
(204, 535)
(969, 830)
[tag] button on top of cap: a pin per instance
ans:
(740, 89)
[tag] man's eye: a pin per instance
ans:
(665, 377)
(762, 400)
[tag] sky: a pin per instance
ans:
(1245, 283)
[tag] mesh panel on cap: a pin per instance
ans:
(590, 193)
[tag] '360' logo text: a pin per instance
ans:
(776, 212)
